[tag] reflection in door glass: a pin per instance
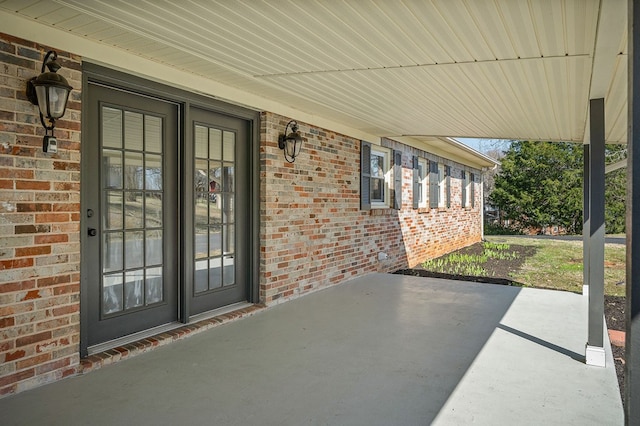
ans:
(132, 204)
(133, 289)
(214, 190)
(112, 293)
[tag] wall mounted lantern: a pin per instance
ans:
(290, 143)
(50, 91)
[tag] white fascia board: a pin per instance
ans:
(450, 149)
(112, 57)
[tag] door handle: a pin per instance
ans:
(92, 232)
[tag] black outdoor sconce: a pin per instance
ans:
(50, 91)
(290, 143)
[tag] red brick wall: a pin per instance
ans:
(313, 233)
(39, 226)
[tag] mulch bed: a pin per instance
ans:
(501, 270)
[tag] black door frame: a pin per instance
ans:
(96, 74)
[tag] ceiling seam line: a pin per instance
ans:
(492, 61)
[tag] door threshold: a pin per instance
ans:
(219, 311)
(125, 340)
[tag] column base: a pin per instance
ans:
(595, 356)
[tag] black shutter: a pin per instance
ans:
(472, 179)
(447, 171)
(433, 184)
(397, 180)
(464, 189)
(365, 175)
(416, 183)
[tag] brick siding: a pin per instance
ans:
(313, 233)
(39, 226)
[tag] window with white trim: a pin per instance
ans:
(376, 176)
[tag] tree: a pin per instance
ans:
(540, 184)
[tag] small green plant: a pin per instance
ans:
(470, 264)
(488, 245)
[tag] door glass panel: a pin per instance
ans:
(152, 133)
(202, 247)
(215, 176)
(153, 172)
(153, 284)
(134, 176)
(153, 210)
(112, 169)
(229, 146)
(113, 214)
(111, 127)
(134, 289)
(215, 240)
(227, 178)
(133, 135)
(153, 249)
(134, 250)
(229, 242)
(228, 214)
(229, 270)
(200, 277)
(112, 293)
(214, 205)
(133, 210)
(201, 141)
(215, 273)
(133, 170)
(215, 144)
(112, 251)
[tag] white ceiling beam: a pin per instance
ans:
(615, 166)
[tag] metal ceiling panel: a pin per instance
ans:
(484, 68)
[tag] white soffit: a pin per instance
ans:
(512, 69)
(450, 149)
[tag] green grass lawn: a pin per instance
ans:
(558, 264)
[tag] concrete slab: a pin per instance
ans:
(378, 350)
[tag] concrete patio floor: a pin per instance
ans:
(378, 350)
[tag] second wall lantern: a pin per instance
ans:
(291, 142)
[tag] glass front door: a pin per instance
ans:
(167, 204)
(217, 280)
(132, 229)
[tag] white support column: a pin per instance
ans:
(595, 343)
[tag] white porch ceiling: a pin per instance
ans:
(512, 69)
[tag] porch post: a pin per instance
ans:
(595, 354)
(632, 354)
(585, 220)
